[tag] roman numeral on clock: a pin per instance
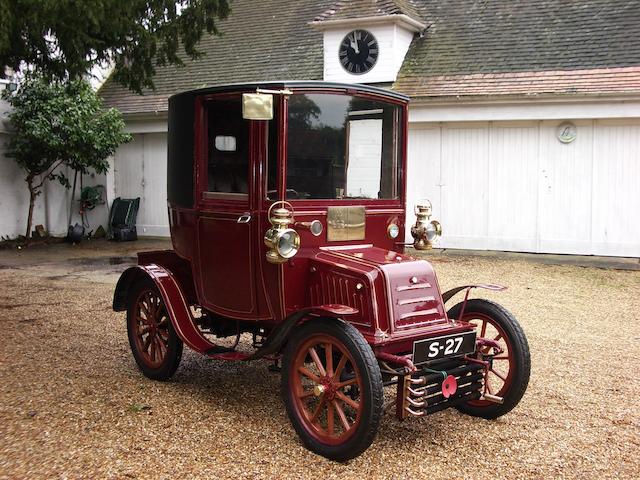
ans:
(358, 52)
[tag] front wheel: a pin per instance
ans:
(508, 376)
(332, 388)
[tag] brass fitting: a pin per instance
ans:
(282, 241)
(424, 231)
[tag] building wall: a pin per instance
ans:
(52, 206)
(140, 170)
(512, 185)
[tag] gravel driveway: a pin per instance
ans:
(73, 404)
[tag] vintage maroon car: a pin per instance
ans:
(287, 213)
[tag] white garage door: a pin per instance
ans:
(140, 170)
(514, 186)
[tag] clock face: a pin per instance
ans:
(358, 52)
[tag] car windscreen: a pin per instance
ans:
(342, 147)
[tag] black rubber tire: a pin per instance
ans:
(174, 349)
(372, 395)
(521, 355)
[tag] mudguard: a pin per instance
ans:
(278, 337)
(182, 320)
(173, 297)
(446, 296)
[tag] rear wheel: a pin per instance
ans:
(332, 389)
(154, 343)
(510, 370)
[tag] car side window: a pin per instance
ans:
(228, 147)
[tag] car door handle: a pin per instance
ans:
(246, 218)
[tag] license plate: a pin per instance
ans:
(442, 347)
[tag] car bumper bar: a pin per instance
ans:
(421, 393)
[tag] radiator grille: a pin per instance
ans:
(329, 287)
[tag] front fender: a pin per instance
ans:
(278, 337)
(446, 296)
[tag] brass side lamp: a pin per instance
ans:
(425, 231)
(282, 241)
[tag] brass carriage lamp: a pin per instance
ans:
(282, 241)
(425, 231)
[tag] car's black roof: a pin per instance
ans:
(293, 84)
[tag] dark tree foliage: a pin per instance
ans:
(64, 39)
(60, 124)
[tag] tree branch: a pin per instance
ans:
(48, 172)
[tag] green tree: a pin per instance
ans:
(64, 39)
(60, 124)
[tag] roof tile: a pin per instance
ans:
(347, 9)
(261, 41)
(470, 48)
(594, 81)
(493, 36)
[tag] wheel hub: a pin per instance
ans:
(326, 387)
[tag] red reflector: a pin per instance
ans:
(449, 386)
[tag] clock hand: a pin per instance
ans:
(354, 45)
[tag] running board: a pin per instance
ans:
(229, 356)
(218, 350)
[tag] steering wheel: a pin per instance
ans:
(292, 194)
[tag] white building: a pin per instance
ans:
(524, 122)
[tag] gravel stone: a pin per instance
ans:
(73, 404)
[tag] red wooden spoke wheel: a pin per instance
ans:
(500, 375)
(155, 345)
(332, 388)
(508, 376)
(327, 397)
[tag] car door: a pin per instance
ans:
(227, 229)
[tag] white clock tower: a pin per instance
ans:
(365, 48)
